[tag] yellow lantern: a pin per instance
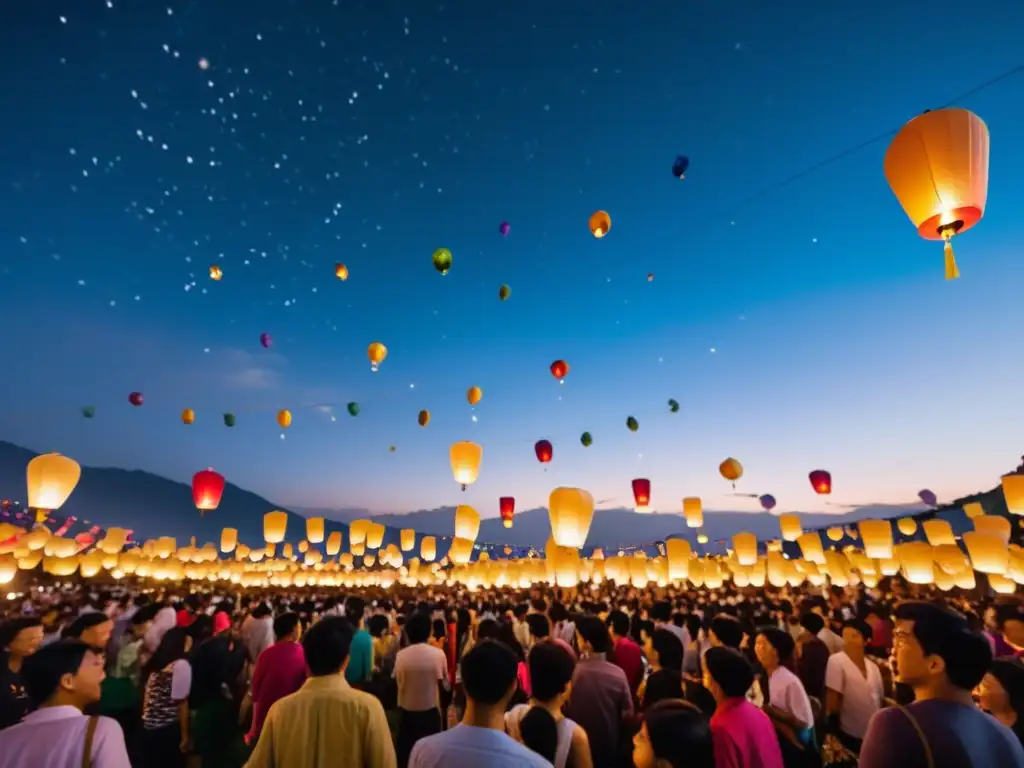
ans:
(693, 512)
(188, 416)
(937, 166)
(745, 546)
(973, 509)
(375, 535)
(284, 419)
(228, 540)
(216, 273)
(114, 541)
(408, 538)
(835, 533)
(303, 547)
(333, 545)
(678, 553)
(8, 568)
(877, 538)
(938, 531)
(570, 511)
(274, 526)
(702, 538)
(369, 559)
(467, 522)
(916, 561)
(51, 478)
(165, 547)
(357, 548)
(790, 527)
(988, 552)
(1002, 585)
(810, 546)
(1013, 492)
(376, 352)
(907, 526)
(474, 395)
(428, 549)
(287, 551)
(60, 566)
(460, 551)
(315, 530)
(465, 459)
(341, 271)
(357, 531)
(995, 525)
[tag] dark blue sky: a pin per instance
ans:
(801, 326)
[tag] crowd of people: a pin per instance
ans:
(601, 676)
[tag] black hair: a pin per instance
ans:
(551, 668)
(669, 649)
(1010, 674)
(680, 734)
(192, 602)
(285, 624)
(943, 632)
(42, 671)
(378, 624)
(860, 626)
(538, 624)
(782, 642)
(146, 613)
(728, 630)
(593, 630)
(171, 648)
(11, 628)
(489, 670)
(417, 628)
(540, 605)
(558, 613)
(327, 644)
(661, 611)
(812, 622)
(76, 628)
(487, 630)
(201, 628)
(519, 610)
(730, 669)
(692, 622)
(355, 607)
(619, 623)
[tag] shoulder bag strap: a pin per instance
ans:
(90, 734)
(929, 758)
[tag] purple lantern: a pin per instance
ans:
(266, 340)
(504, 228)
(767, 502)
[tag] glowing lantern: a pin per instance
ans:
(937, 166)
(274, 526)
(341, 271)
(876, 536)
(821, 481)
(408, 539)
(423, 418)
(1013, 492)
(333, 545)
(938, 532)
(368, 560)
(544, 451)
(907, 526)
(835, 533)
(744, 545)
(216, 273)
(461, 551)
(570, 511)
(731, 470)
(376, 352)
(642, 494)
(810, 547)
(284, 419)
(51, 478)
(474, 395)
(357, 549)
(315, 530)
(916, 561)
(790, 527)
(375, 535)
(507, 510)
(357, 531)
(8, 568)
(188, 416)
(207, 489)
(1001, 584)
(600, 223)
(228, 540)
(428, 548)
(987, 551)
(287, 551)
(678, 552)
(973, 508)
(702, 538)
(465, 459)
(693, 512)
(560, 369)
(442, 259)
(303, 546)
(994, 525)
(467, 522)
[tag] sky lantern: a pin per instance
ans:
(907, 526)
(341, 271)
(407, 537)
(673, 405)
(821, 481)
(632, 424)
(376, 352)
(744, 545)
(504, 291)
(876, 535)
(642, 494)
(504, 228)
(474, 395)
(600, 223)
(442, 259)
(731, 470)
(265, 340)
(207, 489)
(937, 166)
(284, 419)
(51, 478)
(228, 540)
(586, 440)
(375, 535)
(465, 459)
(423, 418)
(544, 451)
(560, 369)
(1013, 492)
(507, 510)
(767, 502)
(136, 399)
(315, 530)
(570, 511)
(693, 511)
(333, 545)
(230, 420)
(928, 497)
(216, 273)
(790, 527)
(467, 522)
(679, 166)
(188, 416)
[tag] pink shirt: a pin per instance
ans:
(280, 671)
(744, 737)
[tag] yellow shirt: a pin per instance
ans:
(325, 724)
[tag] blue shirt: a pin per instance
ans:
(469, 745)
(360, 658)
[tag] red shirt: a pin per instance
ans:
(628, 657)
(184, 618)
(744, 736)
(280, 671)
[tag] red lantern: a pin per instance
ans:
(207, 488)
(507, 508)
(544, 451)
(135, 398)
(559, 369)
(821, 482)
(642, 492)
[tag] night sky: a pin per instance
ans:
(799, 325)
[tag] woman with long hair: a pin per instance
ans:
(167, 680)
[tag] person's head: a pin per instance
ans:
(592, 635)
(725, 630)
(68, 672)
(417, 628)
(91, 628)
(812, 623)
(262, 611)
(934, 649)
(489, 675)
(142, 619)
(856, 634)
(538, 625)
(175, 644)
(1010, 617)
(1002, 689)
(438, 630)
(326, 645)
(551, 667)
(774, 648)
(21, 637)
(288, 627)
(674, 734)
(664, 650)
(487, 629)
(661, 612)
(618, 624)
(192, 603)
(727, 673)
(355, 607)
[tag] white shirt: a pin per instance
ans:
(418, 669)
(786, 692)
(165, 618)
(831, 639)
(54, 737)
(862, 694)
(468, 745)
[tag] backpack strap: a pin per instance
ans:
(90, 735)
(929, 758)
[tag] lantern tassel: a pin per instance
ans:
(952, 272)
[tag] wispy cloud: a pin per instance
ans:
(238, 369)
